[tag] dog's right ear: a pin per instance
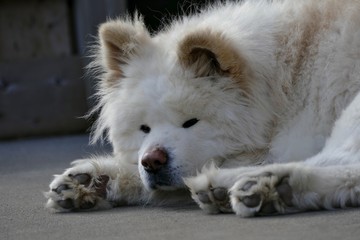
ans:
(119, 41)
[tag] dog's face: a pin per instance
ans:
(172, 107)
(172, 137)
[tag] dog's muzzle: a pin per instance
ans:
(159, 174)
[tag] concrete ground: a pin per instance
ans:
(27, 166)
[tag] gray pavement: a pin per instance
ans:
(27, 166)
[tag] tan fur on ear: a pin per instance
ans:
(208, 53)
(119, 40)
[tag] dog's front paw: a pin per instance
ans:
(78, 189)
(261, 194)
(210, 195)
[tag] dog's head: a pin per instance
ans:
(173, 102)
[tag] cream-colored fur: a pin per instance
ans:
(254, 107)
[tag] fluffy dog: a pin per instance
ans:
(253, 106)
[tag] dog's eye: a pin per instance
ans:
(145, 128)
(190, 123)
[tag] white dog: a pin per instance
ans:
(262, 97)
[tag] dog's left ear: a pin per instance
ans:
(208, 54)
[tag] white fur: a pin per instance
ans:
(301, 119)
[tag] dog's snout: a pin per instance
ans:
(154, 159)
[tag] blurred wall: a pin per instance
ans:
(43, 90)
(42, 45)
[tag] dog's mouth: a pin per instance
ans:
(165, 179)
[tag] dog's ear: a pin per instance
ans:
(208, 53)
(119, 40)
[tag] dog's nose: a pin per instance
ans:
(154, 159)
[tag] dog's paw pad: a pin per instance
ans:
(216, 196)
(268, 208)
(61, 188)
(252, 200)
(81, 191)
(87, 205)
(203, 197)
(101, 184)
(220, 194)
(210, 199)
(82, 178)
(66, 204)
(261, 195)
(285, 191)
(213, 200)
(248, 185)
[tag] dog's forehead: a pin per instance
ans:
(155, 74)
(158, 78)
(163, 88)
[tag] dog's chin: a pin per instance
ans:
(153, 182)
(165, 179)
(167, 188)
(163, 186)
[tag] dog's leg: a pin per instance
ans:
(295, 187)
(97, 183)
(331, 179)
(276, 189)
